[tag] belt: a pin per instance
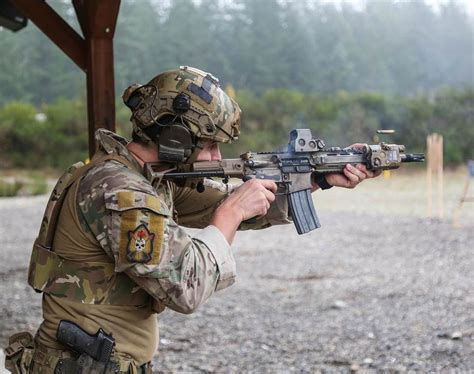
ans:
(63, 361)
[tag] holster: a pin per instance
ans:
(85, 364)
(19, 353)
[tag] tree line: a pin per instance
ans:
(393, 47)
(58, 137)
(340, 70)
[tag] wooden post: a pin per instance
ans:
(440, 165)
(98, 20)
(434, 143)
(429, 176)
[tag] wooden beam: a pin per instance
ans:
(80, 14)
(99, 20)
(101, 17)
(55, 28)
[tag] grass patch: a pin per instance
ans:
(9, 188)
(34, 184)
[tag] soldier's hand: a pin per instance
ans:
(251, 199)
(352, 176)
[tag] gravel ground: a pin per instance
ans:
(368, 293)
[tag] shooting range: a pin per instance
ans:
(385, 284)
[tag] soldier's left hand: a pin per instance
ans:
(352, 176)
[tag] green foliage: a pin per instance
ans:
(340, 119)
(8, 189)
(38, 185)
(19, 132)
(67, 132)
(58, 141)
(34, 184)
(314, 47)
(346, 118)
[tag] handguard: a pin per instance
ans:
(302, 211)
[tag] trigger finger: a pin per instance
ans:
(269, 185)
(269, 195)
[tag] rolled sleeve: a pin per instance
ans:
(221, 251)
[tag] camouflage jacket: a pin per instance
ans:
(117, 244)
(134, 224)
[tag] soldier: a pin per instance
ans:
(110, 253)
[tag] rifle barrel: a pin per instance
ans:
(413, 157)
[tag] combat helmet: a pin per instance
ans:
(181, 109)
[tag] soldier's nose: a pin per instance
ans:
(216, 154)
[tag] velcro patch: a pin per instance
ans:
(138, 227)
(141, 236)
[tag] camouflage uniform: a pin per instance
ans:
(120, 256)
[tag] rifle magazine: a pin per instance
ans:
(302, 211)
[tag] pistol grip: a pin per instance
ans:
(251, 221)
(302, 211)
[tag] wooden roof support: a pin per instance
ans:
(55, 28)
(93, 53)
(98, 20)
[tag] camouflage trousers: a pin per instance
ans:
(24, 356)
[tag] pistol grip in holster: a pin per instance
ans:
(302, 211)
(99, 346)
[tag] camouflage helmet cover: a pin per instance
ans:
(211, 114)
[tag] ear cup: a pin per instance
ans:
(175, 143)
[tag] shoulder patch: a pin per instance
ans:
(137, 227)
(140, 244)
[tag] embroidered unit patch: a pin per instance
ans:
(137, 228)
(140, 244)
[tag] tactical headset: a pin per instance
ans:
(176, 143)
(181, 109)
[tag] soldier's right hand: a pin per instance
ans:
(251, 199)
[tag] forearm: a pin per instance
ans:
(196, 209)
(227, 221)
(205, 265)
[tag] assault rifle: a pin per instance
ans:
(292, 170)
